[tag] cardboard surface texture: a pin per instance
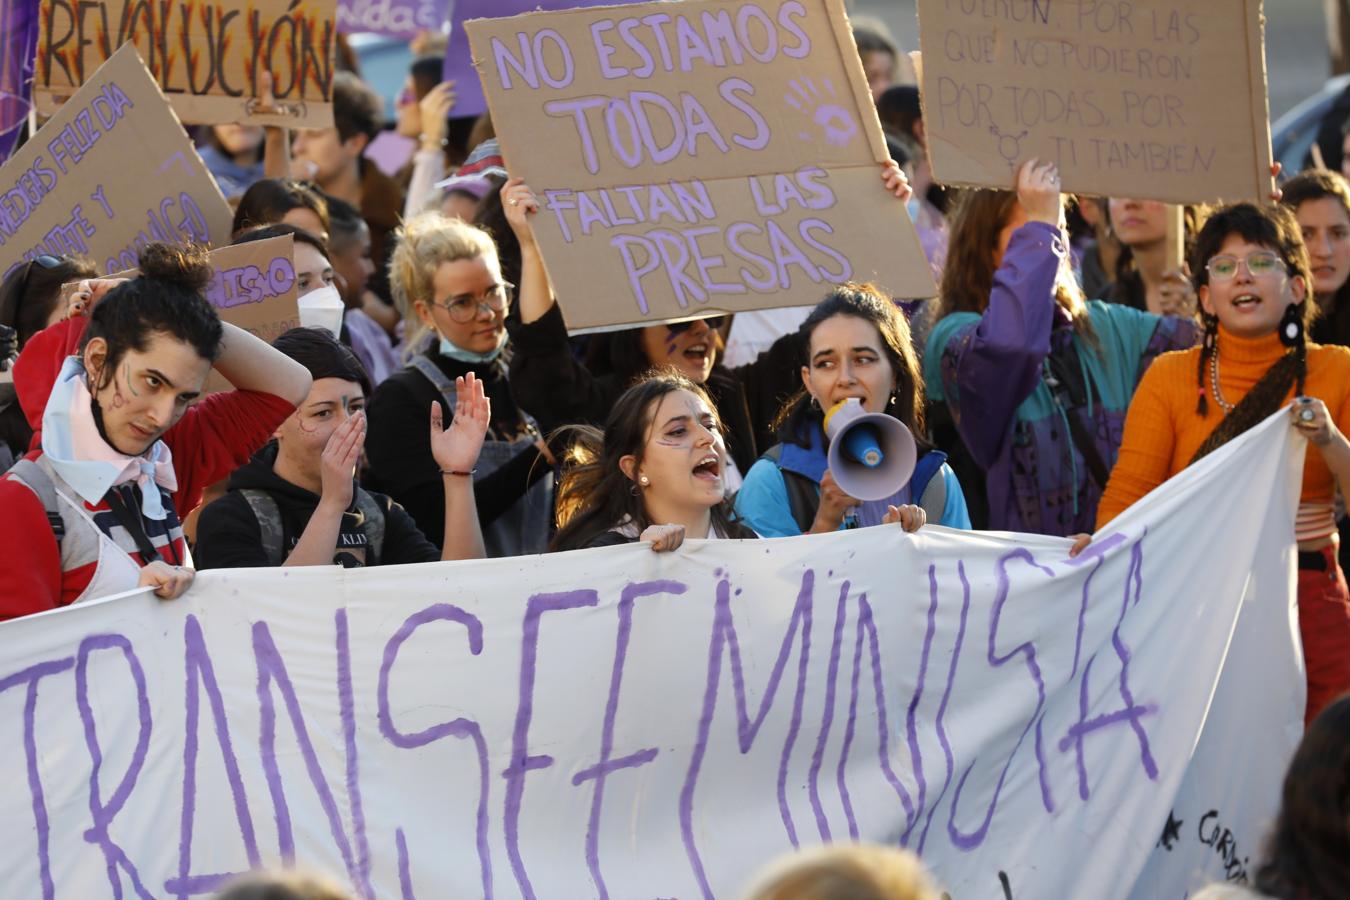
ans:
(697, 157)
(112, 171)
(1148, 99)
(205, 56)
(254, 289)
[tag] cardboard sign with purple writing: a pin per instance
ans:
(469, 100)
(254, 289)
(112, 171)
(697, 157)
(1149, 99)
(396, 18)
(206, 56)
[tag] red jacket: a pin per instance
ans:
(212, 439)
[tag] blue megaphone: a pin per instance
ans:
(861, 446)
(871, 455)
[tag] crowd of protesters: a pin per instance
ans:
(1066, 368)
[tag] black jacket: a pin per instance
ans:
(398, 444)
(550, 384)
(229, 536)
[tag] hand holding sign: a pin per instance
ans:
(1038, 191)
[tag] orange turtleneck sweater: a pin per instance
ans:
(1163, 430)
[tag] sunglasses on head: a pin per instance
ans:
(714, 323)
(45, 260)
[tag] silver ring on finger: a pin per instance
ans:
(1307, 415)
(514, 202)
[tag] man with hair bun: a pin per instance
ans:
(128, 439)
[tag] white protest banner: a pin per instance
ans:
(697, 157)
(112, 171)
(206, 57)
(621, 723)
(1163, 99)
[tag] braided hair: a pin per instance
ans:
(1275, 228)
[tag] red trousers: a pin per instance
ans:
(1324, 624)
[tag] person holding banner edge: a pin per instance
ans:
(655, 474)
(1254, 280)
(1037, 379)
(97, 511)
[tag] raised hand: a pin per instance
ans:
(1038, 191)
(456, 448)
(895, 180)
(518, 201)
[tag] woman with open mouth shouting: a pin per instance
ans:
(1254, 281)
(655, 474)
(856, 346)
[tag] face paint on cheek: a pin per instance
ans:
(672, 342)
(126, 374)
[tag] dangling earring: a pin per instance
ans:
(1211, 323)
(1291, 325)
(813, 401)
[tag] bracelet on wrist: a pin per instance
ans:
(425, 140)
(468, 474)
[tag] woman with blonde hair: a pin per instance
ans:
(854, 871)
(447, 282)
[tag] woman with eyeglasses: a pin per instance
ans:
(30, 300)
(448, 285)
(558, 389)
(1254, 282)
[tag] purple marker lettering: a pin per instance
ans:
(1133, 711)
(272, 673)
(607, 764)
(942, 707)
(1027, 650)
(557, 202)
(577, 110)
(827, 715)
(30, 677)
(456, 728)
(724, 640)
(522, 763)
(201, 671)
(102, 813)
(730, 91)
(625, 244)
(603, 51)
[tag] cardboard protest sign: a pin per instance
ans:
(1149, 99)
(459, 67)
(697, 157)
(396, 18)
(110, 172)
(622, 723)
(254, 289)
(205, 56)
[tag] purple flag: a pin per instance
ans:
(18, 47)
(396, 18)
(458, 59)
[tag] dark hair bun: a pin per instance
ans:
(185, 266)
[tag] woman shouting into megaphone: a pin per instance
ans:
(859, 360)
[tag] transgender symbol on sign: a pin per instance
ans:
(1009, 145)
(835, 123)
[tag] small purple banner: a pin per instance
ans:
(18, 47)
(396, 18)
(459, 60)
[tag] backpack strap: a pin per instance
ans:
(929, 485)
(372, 523)
(439, 379)
(803, 494)
(268, 514)
(35, 478)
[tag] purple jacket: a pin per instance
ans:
(990, 369)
